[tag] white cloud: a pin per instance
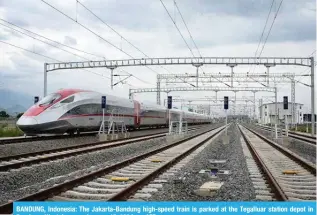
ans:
(218, 31)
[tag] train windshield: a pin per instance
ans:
(49, 99)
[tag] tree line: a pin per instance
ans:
(4, 114)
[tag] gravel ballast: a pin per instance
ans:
(37, 146)
(21, 182)
(304, 150)
(237, 186)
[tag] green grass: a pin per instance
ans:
(10, 131)
(302, 128)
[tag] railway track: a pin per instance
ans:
(130, 179)
(13, 140)
(276, 172)
(305, 138)
(28, 159)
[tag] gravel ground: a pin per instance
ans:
(17, 183)
(302, 149)
(237, 186)
(36, 146)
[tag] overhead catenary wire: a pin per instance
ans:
(173, 20)
(267, 36)
(262, 34)
(36, 53)
(267, 18)
(187, 28)
(45, 42)
(177, 28)
(100, 37)
(121, 36)
(31, 32)
(278, 9)
(90, 11)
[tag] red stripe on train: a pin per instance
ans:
(36, 109)
(125, 115)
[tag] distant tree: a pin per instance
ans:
(19, 115)
(190, 109)
(4, 114)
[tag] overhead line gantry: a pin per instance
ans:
(194, 61)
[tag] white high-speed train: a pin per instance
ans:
(75, 110)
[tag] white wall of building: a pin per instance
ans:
(267, 113)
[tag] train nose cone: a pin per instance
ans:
(27, 124)
(26, 121)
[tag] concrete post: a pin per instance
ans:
(254, 105)
(312, 96)
(276, 117)
(158, 88)
(45, 79)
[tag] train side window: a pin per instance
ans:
(75, 111)
(68, 100)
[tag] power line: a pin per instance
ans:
(36, 53)
(181, 33)
(111, 44)
(190, 37)
(271, 27)
(44, 42)
(112, 28)
(267, 18)
(312, 53)
(116, 32)
(122, 37)
(97, 36)
(187, 28)
(177, 29)
(33, 52)
(53, 40)
(51, 45)
(59, 47)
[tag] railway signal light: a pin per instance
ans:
(103, 102)
(169, 102)
(226, 103)
(285, 102)
(36, 99)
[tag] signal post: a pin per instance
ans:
(285, 107)
(102, 135)
(226, 107)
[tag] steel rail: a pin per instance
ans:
(49, 192)
(280, 195)
(295, 135)
(5, 141)
(82, 149)
(130, 190)
(303, 162)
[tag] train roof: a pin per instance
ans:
(70, 91)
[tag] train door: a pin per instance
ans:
(137, 118)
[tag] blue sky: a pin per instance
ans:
(219, 28)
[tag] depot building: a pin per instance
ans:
(267, 113)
